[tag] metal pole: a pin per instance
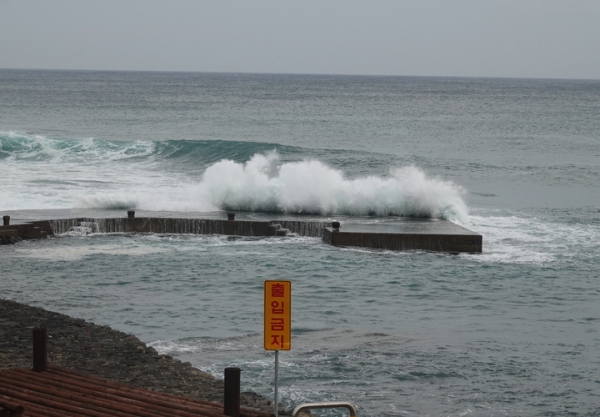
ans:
(40, 350)
(276, 411)
(231, 403)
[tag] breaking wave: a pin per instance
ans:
(202, 176)
(264, 184)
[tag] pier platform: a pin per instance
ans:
(396, 234)
(406, 234)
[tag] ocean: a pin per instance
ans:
(511, 331)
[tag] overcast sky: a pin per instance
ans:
(489, 38)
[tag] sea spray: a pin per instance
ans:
(264, 184)
(311, 187)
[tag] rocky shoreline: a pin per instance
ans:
(101, 351)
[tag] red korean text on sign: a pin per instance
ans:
(278, 318)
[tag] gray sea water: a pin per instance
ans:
(512, 331)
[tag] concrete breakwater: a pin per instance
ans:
(396, 234)
(40, 229)
(431, 235)
(13, 233)
(184, 226)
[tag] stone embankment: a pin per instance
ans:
(106, 353)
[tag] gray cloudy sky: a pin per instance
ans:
(490, 38)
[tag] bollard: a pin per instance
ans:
(231, 401)
(335, 226)
(6, 220)
(131, 214)
(231, 216)
(40, 351)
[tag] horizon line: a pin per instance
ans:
(296, 73)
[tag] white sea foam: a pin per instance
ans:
(205, 346)
(530, 240)
(174, 347)
(264, 184)
(309, 186)
(43, 173)
(76, 253)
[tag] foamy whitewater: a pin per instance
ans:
(263, 183)
(512, 331)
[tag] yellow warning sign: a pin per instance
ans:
(278, 315)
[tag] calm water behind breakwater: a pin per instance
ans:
(512, 331)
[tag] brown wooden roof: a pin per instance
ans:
(59, 392)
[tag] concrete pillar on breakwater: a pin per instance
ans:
(6, 220)
(335, 226)
(230, 226)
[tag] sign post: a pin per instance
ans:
(278, 323)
